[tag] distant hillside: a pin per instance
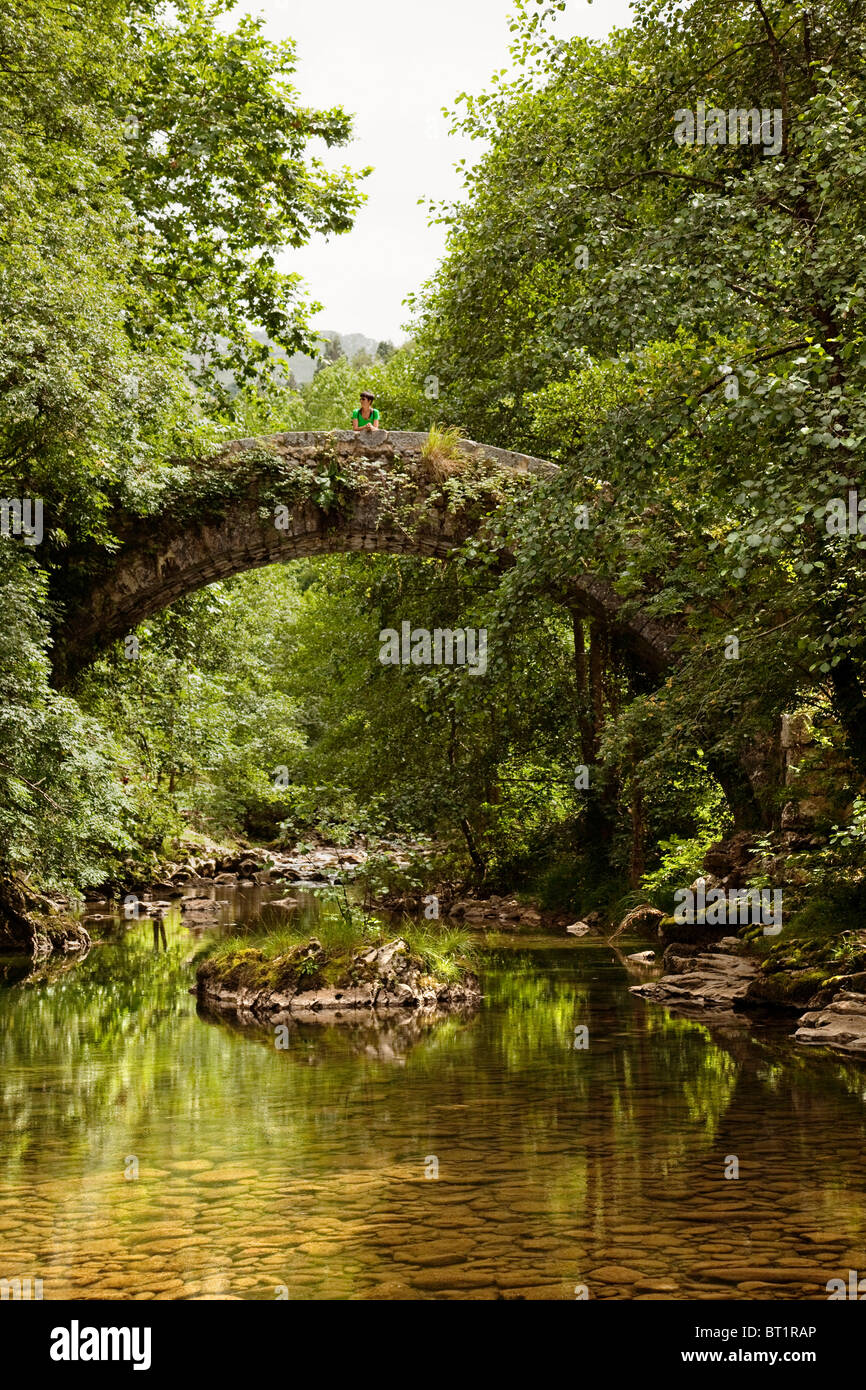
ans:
(303, 368)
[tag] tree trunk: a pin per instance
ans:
(850, 706)
(585, 722)
(739, 792)
(597, 822)
(638, 836)
(477, 862)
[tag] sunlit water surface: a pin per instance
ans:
(311, 1172)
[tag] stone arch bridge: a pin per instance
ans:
(266, 501)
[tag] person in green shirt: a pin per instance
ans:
(366, 418)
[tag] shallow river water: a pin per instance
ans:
(150, 1152)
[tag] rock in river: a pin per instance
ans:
(841, 1024)
(707, 980)
(308, 980)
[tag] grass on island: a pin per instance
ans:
(278, 959)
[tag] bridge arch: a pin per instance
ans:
(266, 501)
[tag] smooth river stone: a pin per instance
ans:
(156, 1229)
(230, 1174)
(23, 1257)
(163, 1286)
(503, 1257)
(736, 1274)
(454, 1248)
(169, 1247)
(517, 1278)
(208, 1283)
(250, 1281)
(623, 1254)
(266, 1249)
(451, 1219)
(450, 1278)
(617, 1274)
(209, 1297)
(267, 1230)
(332, 1228)
(537, 1293)
(191, 1165)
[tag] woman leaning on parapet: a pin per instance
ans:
(365, 417)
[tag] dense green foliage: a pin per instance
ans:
(681, 327)
(150, 168)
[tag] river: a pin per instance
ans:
(150, 1152)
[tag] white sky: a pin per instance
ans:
(395, 64)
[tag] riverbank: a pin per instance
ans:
(822, 990)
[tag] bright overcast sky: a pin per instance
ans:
(395, 64)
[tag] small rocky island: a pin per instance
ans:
(313, 983)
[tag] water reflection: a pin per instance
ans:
(311, 1165)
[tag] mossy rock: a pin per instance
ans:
(785, 989)
(752, 933)
(304, 968)
(813, 951)
(856, 984)
(244, 968)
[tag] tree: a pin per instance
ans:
(218, 175)
(680, 325)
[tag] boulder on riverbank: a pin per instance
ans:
(841, 1024)
(700, 980)
(33, 925)
(308, 980)
(720, 982)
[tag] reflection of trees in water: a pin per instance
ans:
(790, 1117)
(646, 1091)
(79, 1040)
